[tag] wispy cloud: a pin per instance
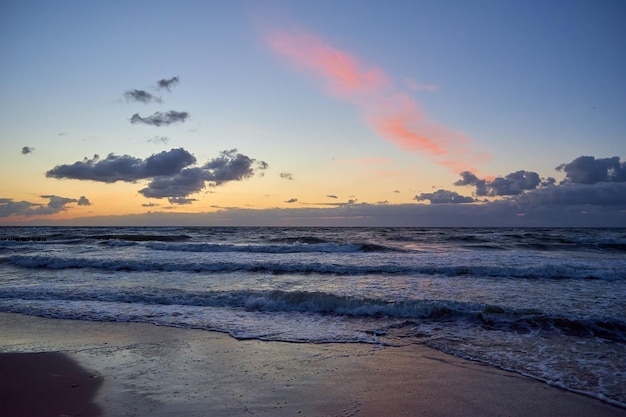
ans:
(159, 140)
(390, 112)
(286, 175)
(167, 83)
(160, 118)
(141, 96)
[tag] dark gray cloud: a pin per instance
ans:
(291, 200)
(167, 83)
(444, 197)
(232, 166)
(160, 118)
(570, 194)
(27, 149)
(514, 183)
(124, 168)
(589, 170)
(181, 200)
(331, 196)
(187, 181)
(83, 201)
(55, 204)
(171, 173)
(286, 175)
(141, 96)
(149, 204)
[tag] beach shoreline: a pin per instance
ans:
(140, 369)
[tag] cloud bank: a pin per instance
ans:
(55, 204)
(170, 173)
(389, 112)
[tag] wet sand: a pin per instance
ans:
(127, 369)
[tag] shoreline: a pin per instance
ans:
(138, 369)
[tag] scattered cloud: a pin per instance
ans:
(171, 173)
(141, 96)
(160, 118)
(291, 200)
(27, 149)
(125, 168)
(55, 204)
(514, 183)
(589, 170)
(181, 200)
(331, 196)
(286, 175)
(159, 140)
(151, 204)
(444, 197)
(391, 113)
(83, 201)
(167, 83)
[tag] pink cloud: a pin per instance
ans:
(393, 115)
(341, 71)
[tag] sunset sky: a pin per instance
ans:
(395, 113)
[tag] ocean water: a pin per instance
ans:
(546, 303)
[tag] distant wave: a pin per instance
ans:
(295, 246)
(537, 271)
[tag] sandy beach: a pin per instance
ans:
(130, 369)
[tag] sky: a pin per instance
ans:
(313, 113)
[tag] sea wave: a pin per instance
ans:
(491, 317)
(544, 270)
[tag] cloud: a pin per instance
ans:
(161, 119)
(151, 204)
(55, 204)
(286, 175)
(291, 200)
(159, 140)
(589, 170)
(166, 83)
(514, 183)
(83, 201)
(388, 111)
(181, 200)
(124, 168)
(171, 173)
(141, 96)
(570, 194)
(331, 196)
(444, 197)
(27, 149)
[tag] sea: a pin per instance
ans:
(548, 303)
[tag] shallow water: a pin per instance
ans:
(548, 303)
